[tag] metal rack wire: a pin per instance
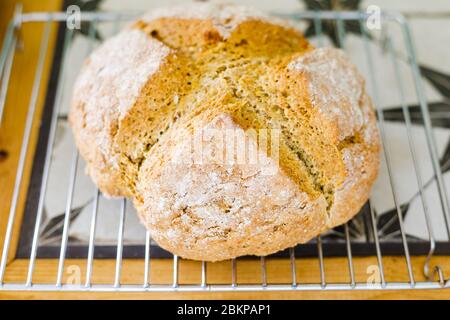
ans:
(434, 274)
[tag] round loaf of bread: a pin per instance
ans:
(231, 133)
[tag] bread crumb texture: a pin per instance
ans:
(145, 98)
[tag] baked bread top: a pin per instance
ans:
(147, 100)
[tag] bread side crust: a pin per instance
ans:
(362, 161)
(337, 91)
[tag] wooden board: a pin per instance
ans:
(16, 108)
(247, 271)
(11, 133)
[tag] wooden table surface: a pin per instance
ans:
(11, 133)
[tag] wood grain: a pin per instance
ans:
(16, 109)
(248, 271)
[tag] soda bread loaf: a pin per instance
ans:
(183, 79)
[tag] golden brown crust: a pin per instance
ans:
(108, 86)
(224, 68)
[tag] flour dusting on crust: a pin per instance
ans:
(113, 77)
(201, 209)
(225, 17)
(335, 86)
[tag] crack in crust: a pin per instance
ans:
(225, 68)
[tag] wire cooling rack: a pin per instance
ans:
(434, 274)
